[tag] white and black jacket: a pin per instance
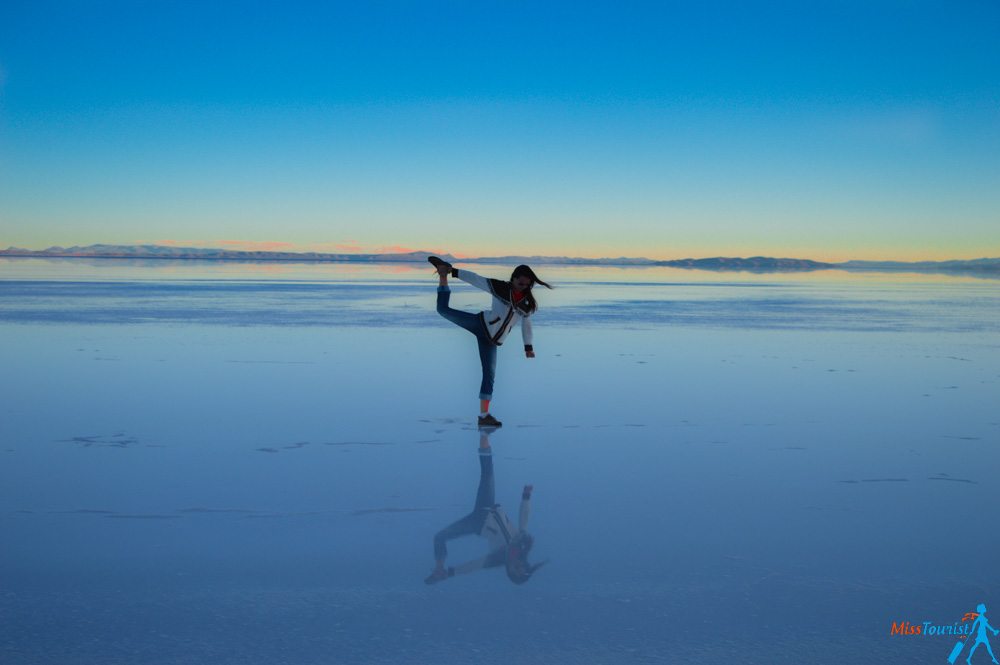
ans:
(499, 532)
(504, 314)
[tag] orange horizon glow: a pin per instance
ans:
(352, 246)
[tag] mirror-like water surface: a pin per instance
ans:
(232, 463)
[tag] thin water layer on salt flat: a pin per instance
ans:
(214, 486)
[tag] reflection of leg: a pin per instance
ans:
(485, 496)
(468, 525)
(472, 523)
(488, 358)
(464, 319)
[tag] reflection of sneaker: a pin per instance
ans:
(438, 576)
(489, 421)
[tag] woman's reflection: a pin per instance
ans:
(508, 547)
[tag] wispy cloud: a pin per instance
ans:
(394, 249)
(247, 245)
(341, 246)
(256, 245)
(171, 243)
(400, 249)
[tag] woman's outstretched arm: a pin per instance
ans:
(441, 573)
(476, 280)
(469, 566)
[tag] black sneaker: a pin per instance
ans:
(439, 263)
(489, 421)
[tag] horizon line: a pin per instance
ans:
(403, 251)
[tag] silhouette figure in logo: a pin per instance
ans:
(980, 626)
(508, 547)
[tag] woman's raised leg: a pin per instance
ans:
(466, 320)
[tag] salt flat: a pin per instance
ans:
(247, 463)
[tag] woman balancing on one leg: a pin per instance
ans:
(513, 302)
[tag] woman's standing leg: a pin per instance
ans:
(488, 358)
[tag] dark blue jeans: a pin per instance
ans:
(472, 323)
(472, 523)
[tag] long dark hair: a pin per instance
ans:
(526, 271)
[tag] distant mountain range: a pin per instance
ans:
(972, 265)
(983, 266)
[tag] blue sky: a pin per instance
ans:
(827, 130)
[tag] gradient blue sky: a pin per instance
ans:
(828, 130)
